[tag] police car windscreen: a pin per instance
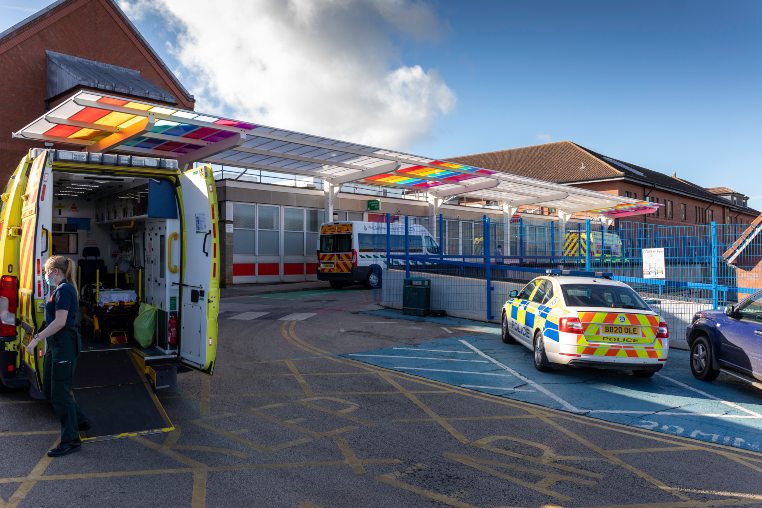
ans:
(603, 296)
(335, 243)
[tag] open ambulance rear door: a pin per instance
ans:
(36, 218)
(200, 283)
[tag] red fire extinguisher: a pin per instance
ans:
(172, 330)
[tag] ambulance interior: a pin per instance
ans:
(123, 233)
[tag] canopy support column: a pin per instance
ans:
(508, 211)
(435, 204)
(330, 191)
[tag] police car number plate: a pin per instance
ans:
(326, 265)
(621, 330)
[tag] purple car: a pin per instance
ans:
(728, 341)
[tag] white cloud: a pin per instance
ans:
(544, 138)
(328, 68)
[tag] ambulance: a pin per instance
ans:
(355, 251)
(603, 245)
(586, 319)
(142, 232)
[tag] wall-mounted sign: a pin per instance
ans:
(374, 204)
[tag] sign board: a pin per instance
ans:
(374, 204)
(653, 264)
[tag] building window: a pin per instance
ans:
(627, 194)
(244, 229)
(658, 208)
(683, 211)
(709, 215)
(268, 234)
(293, 231)
(668, 209)
(453, 237)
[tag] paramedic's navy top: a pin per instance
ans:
(63, 298)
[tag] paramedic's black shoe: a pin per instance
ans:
(65, 449)
(84, 426)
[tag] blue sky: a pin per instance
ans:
(672, 85)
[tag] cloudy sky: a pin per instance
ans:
(672, 85)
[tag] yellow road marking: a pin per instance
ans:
(199, 489)
(30, 481)
(426, 409)
(613, 458)
(300, 379)
(394, 482)
(349, 454)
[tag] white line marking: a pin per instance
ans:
(741, 495)
(453, 371)
(435, 350)
(670, 413)
(420, 358)
(710, 396)
(498, 388)
(298, 316)
(446, 329)
(537, 386)
(248, 316)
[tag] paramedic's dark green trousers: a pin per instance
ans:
(59, 365)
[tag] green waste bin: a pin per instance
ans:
(416, 297)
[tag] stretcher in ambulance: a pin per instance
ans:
(143, 234)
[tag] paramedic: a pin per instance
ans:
(63, 346)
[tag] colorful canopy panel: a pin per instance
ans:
(104, 123)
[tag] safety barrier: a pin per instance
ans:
(480, 262)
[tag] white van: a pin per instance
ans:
(355, 252)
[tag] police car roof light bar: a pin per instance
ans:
(574, 273)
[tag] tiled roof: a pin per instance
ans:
(53, 7)
(722, 190)
(561, 162)
(567, 162)
(66, 72)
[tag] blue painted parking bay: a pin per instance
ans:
(673, 401)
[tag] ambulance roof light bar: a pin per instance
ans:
(576, 273)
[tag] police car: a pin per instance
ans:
(586, 320)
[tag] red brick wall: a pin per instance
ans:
(620, 187)
(90, 29)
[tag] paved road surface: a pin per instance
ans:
(286, 421)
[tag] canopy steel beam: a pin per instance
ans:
(76, 123)
(386, 168)
(464, 189)
(212, 149)
(120, 137)
(161, 116)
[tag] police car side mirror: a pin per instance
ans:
(730, 310)
(513, 294)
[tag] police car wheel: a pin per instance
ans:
(701, 360)
(504, 332)
(540, 358)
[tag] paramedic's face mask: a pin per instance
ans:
(51, 277)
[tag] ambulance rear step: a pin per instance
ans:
(116, 397)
